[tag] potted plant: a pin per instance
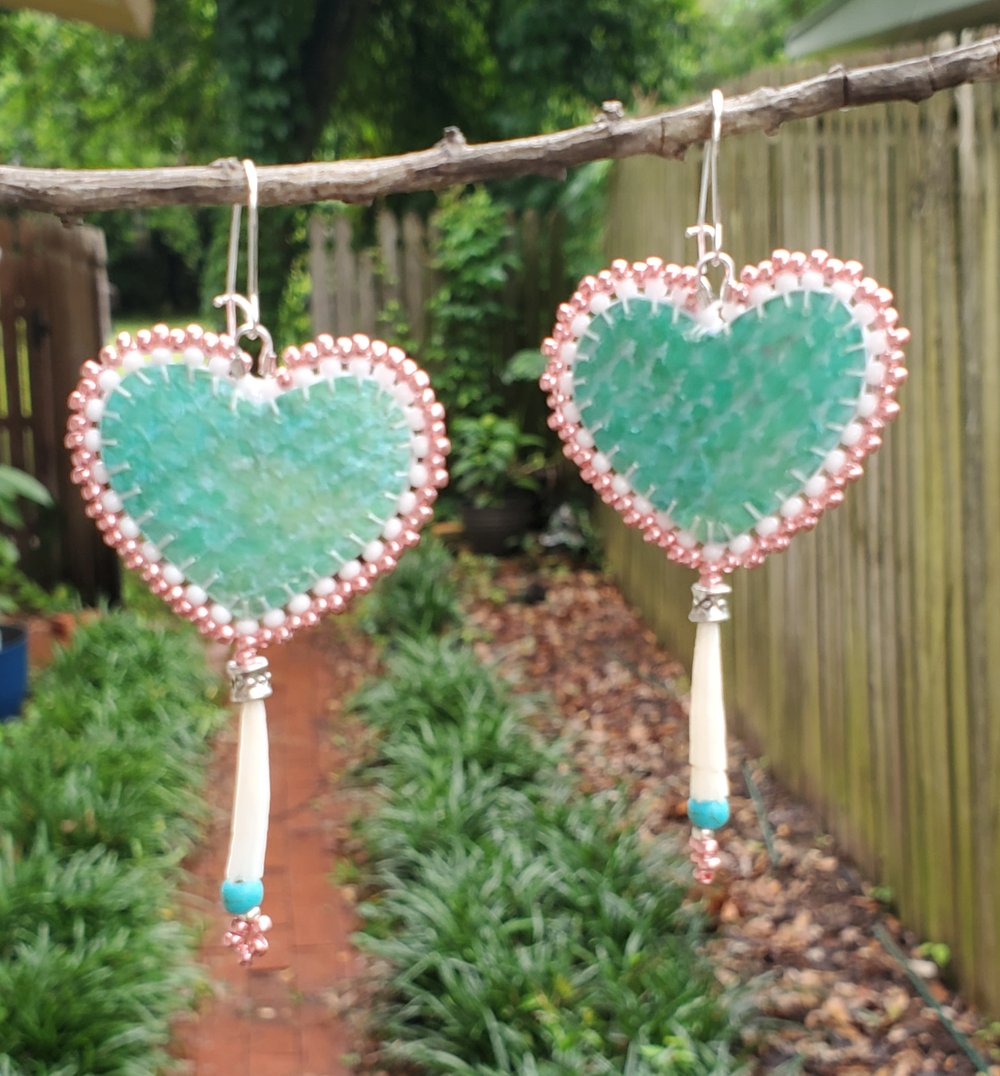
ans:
(497, 471)
(15, 486)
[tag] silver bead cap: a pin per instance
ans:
(250, 682)
(709, 604)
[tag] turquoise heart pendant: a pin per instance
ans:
(253, 505)
(721, 427)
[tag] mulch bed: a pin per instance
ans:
(802, 934)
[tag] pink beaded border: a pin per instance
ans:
(784, 272)
(325, 357)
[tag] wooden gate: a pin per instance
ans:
(54, 313)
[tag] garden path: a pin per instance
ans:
(287, 1014)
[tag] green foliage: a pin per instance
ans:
(585, 53)
(84, 982)
(98, 803)
(72, 95)
(419, 598)
(497, 68)
(582, 201)
(70, 893)
(469, 314)
(18, 593)
(472, 330)
(883, 894)
(16, 486)
(262, 98)
(939, 952)
(292, 320)
(445, 683)
(21, 595)
(493, 457)
(527, 365)
(526, 929)
(749, 34)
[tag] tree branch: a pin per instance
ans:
(668, 134)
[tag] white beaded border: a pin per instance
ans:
(681, 287)
(314, 362)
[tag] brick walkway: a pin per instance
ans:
(283, 1016)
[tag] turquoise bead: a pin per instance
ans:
(708, 814)
(238, 898)
(257, 501)
(717, 430)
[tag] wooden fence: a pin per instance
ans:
(54, 313)
(353, 286)
(865, 662)
(368, 287)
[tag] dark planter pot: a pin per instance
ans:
(13, 670)
(497, 528)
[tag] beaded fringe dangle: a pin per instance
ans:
(721, 423)
(708, 806)
(255, 500)
(243, 888)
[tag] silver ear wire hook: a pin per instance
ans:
(703, 232)
(249, 304)
(230, 299)
(253, 286)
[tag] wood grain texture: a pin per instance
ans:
(54, 313)
(864, 662)
(452, 161)
(986, 734)
(383, 289)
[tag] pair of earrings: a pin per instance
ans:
(720, 425)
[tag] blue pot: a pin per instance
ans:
(13, 670)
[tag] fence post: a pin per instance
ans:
(320, 306)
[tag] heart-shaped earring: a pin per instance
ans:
(722, 426)
(255, 503)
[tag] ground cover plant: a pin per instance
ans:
(98, 805)
(527, 929)
(419, 597)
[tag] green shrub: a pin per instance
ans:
(100, 1004)
(82, 890)
(133, 671)
(419, 598)
(91, 966)
(98, 803)
(17, 593)
(470, 313)
(494, 459)
(431, 680)
(129, 794)
(527, 930)
(111, 744)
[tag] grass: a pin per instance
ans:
(527, 929)
(99, 802)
